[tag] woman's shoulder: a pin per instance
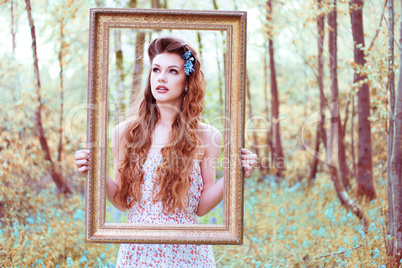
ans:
(211, 139)
(119, 141)
(120, 130)
(207, 131)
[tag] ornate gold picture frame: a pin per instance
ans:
(233, 24)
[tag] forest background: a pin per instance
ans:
(319, 91)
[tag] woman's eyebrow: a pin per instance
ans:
(168, 66)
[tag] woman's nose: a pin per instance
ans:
(162, 77)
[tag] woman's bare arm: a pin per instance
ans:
(82, 162)
(118, 150)
(212, 192)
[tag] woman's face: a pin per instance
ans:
(168, 79)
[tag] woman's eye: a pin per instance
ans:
(155, 70)
(173, 71)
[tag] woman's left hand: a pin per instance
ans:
(248, 162)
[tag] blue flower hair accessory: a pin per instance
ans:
(188, 65)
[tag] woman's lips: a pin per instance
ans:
(162, 89)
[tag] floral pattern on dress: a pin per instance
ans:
(148, 211)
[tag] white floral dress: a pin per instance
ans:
(165, 255)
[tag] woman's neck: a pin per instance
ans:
(167, 114)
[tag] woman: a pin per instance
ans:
(164, 159)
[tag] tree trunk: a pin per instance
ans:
(138, 65)
(155, 3)
(57, 178)
(336, 118)
(135, 90)
(391, 87)
(119, 70)
(321, 132)
(99, 3)
(340, 189)
(343, 167)
(220, 82)
(276, 142)
(132, 4)
(396, 163)
(314, 165)
(379, 27)
(219, 65)
(343, 195)
(215, 4)
(250, 115)
(135, 94)
(14, 45)
(365, 184)
(352, 137)
(199, 44)
(265, 165)
(12, 27)
(60, 147)
(345, 121)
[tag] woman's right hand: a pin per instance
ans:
(82, 162)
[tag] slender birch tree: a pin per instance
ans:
(391, 87)
(396, 163)
(40, 132)
(340, 189)
(321, 133)
(277, 152)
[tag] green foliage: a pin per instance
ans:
(52, 235)
(283, 226)
(305, 227)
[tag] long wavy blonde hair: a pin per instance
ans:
(173, 175)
